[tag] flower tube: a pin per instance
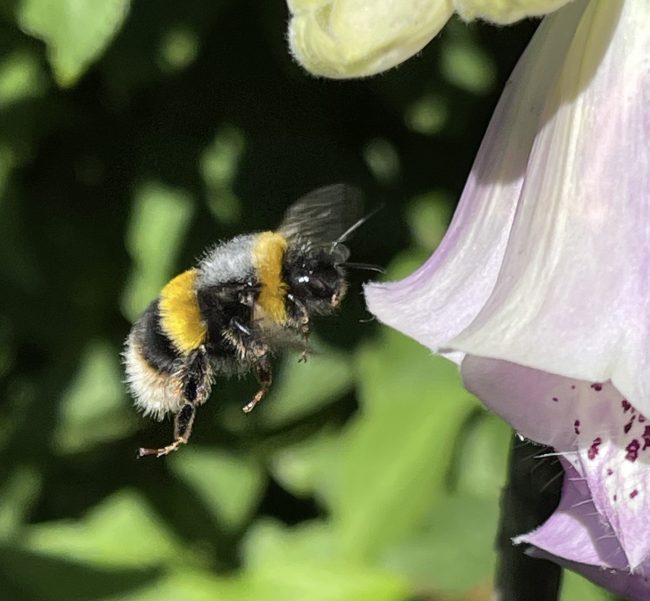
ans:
(541, 287)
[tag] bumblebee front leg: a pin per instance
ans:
(304, 325)
(265, 378)
(196, 384)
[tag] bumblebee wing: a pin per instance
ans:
(323, 216)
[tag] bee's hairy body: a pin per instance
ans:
(246, 298)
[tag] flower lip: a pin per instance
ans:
(597, 430)
(575, 531)
(576, 537)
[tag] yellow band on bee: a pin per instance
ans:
(180, 316)
(268, 252)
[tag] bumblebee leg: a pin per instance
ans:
(265, 378)
(197, 377)
(196, 389)
(182, 431)
(304, 326)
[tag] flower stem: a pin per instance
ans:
(529, 497)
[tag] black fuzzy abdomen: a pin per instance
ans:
(155, 347)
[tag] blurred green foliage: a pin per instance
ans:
(133, 135)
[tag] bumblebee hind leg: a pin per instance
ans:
(196, 385)
(182, 430)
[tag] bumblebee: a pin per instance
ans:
(247, 298)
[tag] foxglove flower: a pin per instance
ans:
(541, 287)
(353, 38)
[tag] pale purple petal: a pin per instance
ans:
(447, 293)
(606, 440)
(547, 262)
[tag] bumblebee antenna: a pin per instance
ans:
(363, 266)
(355, 226)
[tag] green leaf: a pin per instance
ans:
(19, 492)
(25, 576)
(76, 32)
(577, 588)
(159, 213)
(122, 531)
(219, 166)
(21, 77)
(404, 264)
(454, 550)
(392, 461)
(382, 159)
(464, 63)
(94, 408)
(178, 48)
(230, 486)
(428, 216)
(483, 457)
(190, 584)
(302, 388)
(428, 114)
(300, 563)
(303, 468)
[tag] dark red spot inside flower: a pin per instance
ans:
(632, 450)
(627, 427)
(593, 449)
(609, 471)
(626, 405)
(641, 418)
(576, 426)
(646, 438)
(573, 386)
(597, 386)
(555, 399)
(615, 498)
(634, 493)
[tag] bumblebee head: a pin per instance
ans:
(316, 278)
